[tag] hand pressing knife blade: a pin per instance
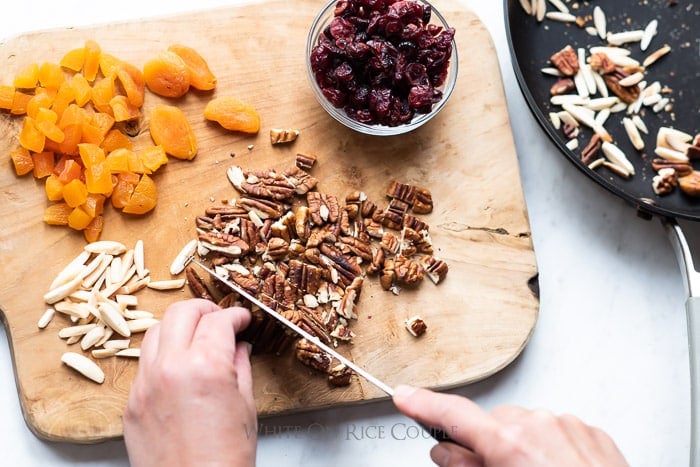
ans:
(439, 435)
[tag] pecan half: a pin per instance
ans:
(197, 285)
(305, 161)
(682, 168)
(627, 94)
(423, 204)
(340, 375)
(416, 326)
(590, 152)
(562, 86)
(566, 61)
(402, 191)
(311, 356)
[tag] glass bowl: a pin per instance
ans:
(319, 26)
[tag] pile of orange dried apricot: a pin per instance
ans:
(70, 137)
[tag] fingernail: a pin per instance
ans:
(440, 454)
(249, 348)
(402, 391)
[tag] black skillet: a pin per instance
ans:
(532, 43)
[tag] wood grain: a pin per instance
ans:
(479, 319)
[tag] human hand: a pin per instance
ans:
(191, 402)
(508, 436)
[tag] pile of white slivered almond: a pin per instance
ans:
(95, 293)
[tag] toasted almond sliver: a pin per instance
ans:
(649, 33)
(46, 318)
(596, 163)
(117, 344)
(581, 114)
(610, 51)
(182, 258)
(167, 284)
(103, 353)
(625, 37)
(618, 169)
(561, 17)
(140, 325)
(106, 246)
(617, 157)
(654, 56)
(632, 79)
(84, 366)
(600, 22)
(130, 352)
(633, 133)
(601, 103)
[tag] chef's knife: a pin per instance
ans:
(439, 435)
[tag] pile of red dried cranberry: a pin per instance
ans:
(381, 61)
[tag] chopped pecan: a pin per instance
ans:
(322, 207)
(353, 204)
(359, 248)
(277, 249)
(693, 151)
(281, 135)
(690, 184)
(566, 61)
(377, 263)
(601, 63)
(311, 356)
(226, 212)
(264, 208)
(423, 204)
(416, 326)
(346, 267)
(570, 131)
(388, 275)
(340, 375)
(197, 285)
(562, 86)
(408, 272)
(627, 94)
(390, 243)
(402, 191)
(682, 168)
(665, 181)
(347, 306)
(230, 300)
(305, 161)
(306, 277)
(436, 269)
(228, 245)
(374, 229)
(342, 333)
(590, 152)
(302, 223)
(262, 184)
(302, 181)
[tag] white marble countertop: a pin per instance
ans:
(610, 345)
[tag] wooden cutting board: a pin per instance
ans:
(479, 319)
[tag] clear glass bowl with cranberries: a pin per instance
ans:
(381, 67)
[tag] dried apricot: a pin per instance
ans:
(53, 188)
(123, 110)
(144, 197)
(78, 219)
(30, 137)
(98, 179)
(40, 99)
(75, 193)
(115, 139)
(27, 78)
(118, 160)
(153, 157)
(50, 75)
(74, 59)
(92, 59)
(22, 160)
(131, 79)
(93, 230)
(7, 95)
(43, 164)
(167, 75)
(81, 89)
(201, 76)
(20, 101)
(94, 204)
(57, 214)
(233, 114)
(91, 154)
(170, 129)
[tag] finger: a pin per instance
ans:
(149, 346)
(241, 360)
(461, 419)
(218, 330)
(452, 455)
(179, 322)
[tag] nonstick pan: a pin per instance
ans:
(533, 42)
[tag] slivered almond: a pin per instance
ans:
(602, 116)
(106, 246)
(46, 318)
(633, 133)
(559, 5)
(661, 105)
(654, 56)
(617, 157)
(572, 144)
(182, 258)
(649, 33)
(117, 344)
(92, 337)
(625, 37)
(127, 261)
(73, 340)
(632, 79)
(167, 284)
(107, 336)
(103, 353)
(581, 114)
(600, 22)
(62, 291)
(84, 366)
(115, 270)
(601, 103)
(103, 261)
(551, 71)
(561, 17)
(137, 314)
(77, 330)
(139, 259)
(77, 310)
(600, 83)
(525, 4)
(72, 270)
(639, 123)
(541, 10)
(130, 352)
(610, 51)
(126, 300)
(110, 314)
(134, 285)
(555, 120)
(670, 154)
(618, 169)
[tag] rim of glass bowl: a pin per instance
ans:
(322, 20)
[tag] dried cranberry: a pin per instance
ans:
(381, 61)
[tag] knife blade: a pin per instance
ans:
(437, 434)
(313, 339)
